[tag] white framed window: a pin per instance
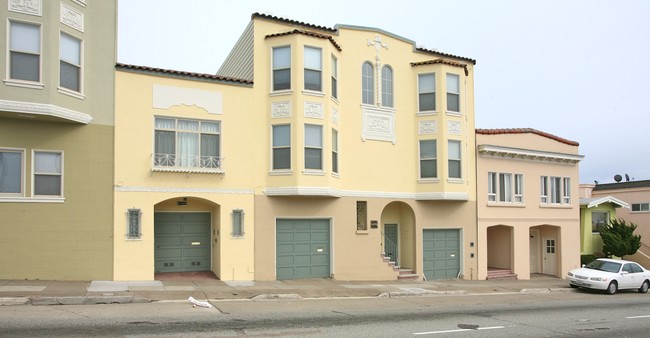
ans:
(70, 63)
(519, 188)
(47, 173)
(237, 223)
(281, 147)
(189, 144)
(134, 223)
(426, 92)
(641, 207)
(566, 190)
(454, 159)
(12, 162)
(335, 76)
(313, 64)
(505, 187)
(543, 189)
(599, 219)
(24, 51)
(492, 186)
(313, 147)
(281, 68)
(387, 86)
(453, 93)
(335, 151)
(556, 190)
(428, 159)
(367, 83)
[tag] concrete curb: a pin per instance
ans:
(8, 301)
(398, 294)
(545, 290)
(272, 296)
(87, 300)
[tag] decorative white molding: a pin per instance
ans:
(71, 17)
(329, 192)
(31, 200)
(427, 127)
(182, 190)
(528, 154)
(31, 7)
(314, 110)
(40, 109)
(165, 97)
(378, 46)
(280, 109)
(378, 123)
(453, 128)
(335, 116)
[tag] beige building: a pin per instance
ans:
(56, 139)
(528, 203)
(314, 152)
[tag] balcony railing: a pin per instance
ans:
(186, 163)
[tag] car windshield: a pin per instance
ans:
(604, 266)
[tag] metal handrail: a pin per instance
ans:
(391, 249)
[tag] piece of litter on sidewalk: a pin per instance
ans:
(199, 303)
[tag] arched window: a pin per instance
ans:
(387, 86)
(367, 83)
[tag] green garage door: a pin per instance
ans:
(441, 257)
(182, 241)
(302, 248)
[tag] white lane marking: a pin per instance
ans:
(459, 330)
(635, 317)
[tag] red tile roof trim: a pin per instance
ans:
(308, 33)
(182, 73)
(445, 62)
(292, 22)
(525, 131)
(433, 52)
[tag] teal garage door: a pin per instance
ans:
(302, 248)
(182, 241)
(441, 257)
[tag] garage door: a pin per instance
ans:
(441, 257)
(302, 248)
(182, 241)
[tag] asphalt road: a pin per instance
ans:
(580, 314)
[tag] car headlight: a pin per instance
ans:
(570, 274)
(599, 279)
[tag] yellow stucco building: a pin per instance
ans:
(342, 152)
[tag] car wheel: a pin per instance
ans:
(644, 287)
(612, 287)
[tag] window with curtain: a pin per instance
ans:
(281, 68)
(313, 147)
(492, 187)
(519, 188)
(566, 190)
(48, 173)
(556, 190)
(313, 69)
(335, 76)
(426, 92)
(454, 159)
(428, 159)
(387, 86)
(70, 62)
(505, 187)
(335, 151)
(281, 147)
(543, 189)
(24, 51)
(11, 172)
(187, 143)
(367, 83)
(453, 93)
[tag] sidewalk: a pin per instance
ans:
(38, 292)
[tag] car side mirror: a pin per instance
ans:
(583, 265)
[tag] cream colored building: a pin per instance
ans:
(342, 152)
(528, 203)
(56, 139)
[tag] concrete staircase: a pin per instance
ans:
(402, 274)
(499, 273)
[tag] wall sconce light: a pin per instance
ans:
(182, 202)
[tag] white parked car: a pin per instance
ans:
(610, 275)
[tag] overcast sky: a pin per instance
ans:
(576, 69)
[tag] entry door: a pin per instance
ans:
(391, 246)
(534, 251)
(550, 256)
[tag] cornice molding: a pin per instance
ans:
(328, 192)
(40, 109)
(182, 190)
(527, 154)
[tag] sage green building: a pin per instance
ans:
(56, 138)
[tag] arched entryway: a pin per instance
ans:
(185, 233)
(398, 234)
(499, 251)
